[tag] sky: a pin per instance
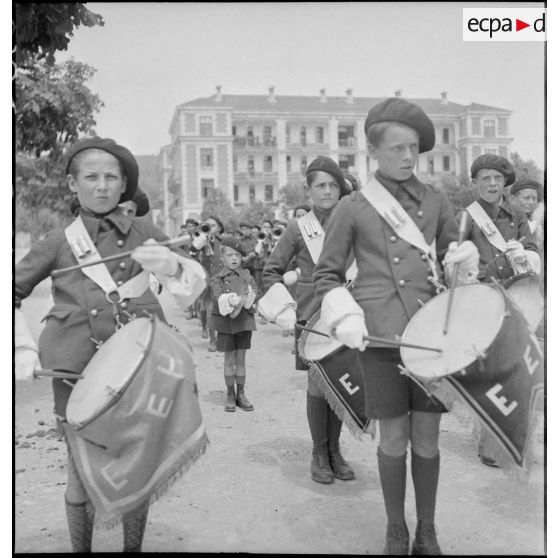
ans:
(150, 57)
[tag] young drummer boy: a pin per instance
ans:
(393, 274)
(233, 291)
(86, 311)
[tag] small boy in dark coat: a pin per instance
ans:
(233, 291)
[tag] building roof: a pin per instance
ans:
(298, 103)
(477, 106)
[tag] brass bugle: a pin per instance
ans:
(262, 235)
(171, 242)
(277, 232)
(204, 227)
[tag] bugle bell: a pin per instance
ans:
(204, 227)
(277, 232)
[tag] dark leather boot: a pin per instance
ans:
(397, 539)
(320, 469)
(425, 542)
(230, 404)
(341, 469)
(241, 400)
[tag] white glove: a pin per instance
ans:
(515, 252)
(351, 331)
(250, 298)
(26, 362)
(286, 319)
(199, 241)
(259, 248)
(234, 299)
(291, 277)
(467, 256)
(155, 258)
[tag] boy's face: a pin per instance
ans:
(99, 182)
(324, 190)
(215, 229)
(191, 228)
(255, 232)
(490, 184)
(231, 258)
(300, 213)
(266, 228)
(397, 153)
(246, 231)
(527, 199)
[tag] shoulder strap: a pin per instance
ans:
(487, 226)
(312, 233)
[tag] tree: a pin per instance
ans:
(460, 191)
(257, 212)
(526, 168)
(218, 204)
(291, 195)
(41, 29)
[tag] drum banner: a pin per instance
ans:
(150, 436)
(506, 402)
(339, 376)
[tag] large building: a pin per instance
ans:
(250, 146)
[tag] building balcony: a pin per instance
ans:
(254, 141)
(347, 142)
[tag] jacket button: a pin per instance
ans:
(420, 213)
(122, 265)
(396, 260)
(393, 238)
(120, 283)
(94, 312)
(120, 243)
(124, 304)
(401, 282)
(511, 224)
(423, 257)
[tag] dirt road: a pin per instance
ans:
(252, 492)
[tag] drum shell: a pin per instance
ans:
(300, 363)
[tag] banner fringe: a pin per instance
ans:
(110, 522)
(338, 408)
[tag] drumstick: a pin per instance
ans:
(170, 242)
(383, 340)
(54, 374)
(460, 238)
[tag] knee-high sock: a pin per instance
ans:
(393, 477)
(334, 425)
(133, 524)
(316, 411)
(203, 318)
(80, 525)
(425, 472)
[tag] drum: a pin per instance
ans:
(525, 291)
(336, 369)
(490, 359)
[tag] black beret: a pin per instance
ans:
(495, 162)
(244, 224)
(191, 220)
(235, 244)
(526, 182)
(325, 164)
(395, 109)
(218, 221)
(127, 160)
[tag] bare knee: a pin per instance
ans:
(425, 433)
(394, 435)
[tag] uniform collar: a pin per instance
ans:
(225, 272)
(117, 217)
(492, 209)
(413, 186)
(322, 214)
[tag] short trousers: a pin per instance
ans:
(388, 393)
(61, 390)
(232, 341)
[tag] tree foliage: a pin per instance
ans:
(526, 168)
(218, 204)
(460, 191)
(41, 29)
(291, 195)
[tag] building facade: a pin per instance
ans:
(249, 146)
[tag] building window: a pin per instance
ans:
(445, 135)
(266, 135)
(287, 134)
(475, 126)
(490, 151)
(476, 151)
(346, 162)
(252, 193)
(502, 126)
(303, 135)
(446, 163)
(268, 163)
(489, 128)
(251, 167)
(206, 126)
(319, 134)
(235, 193)
(206, 155)
(503, 151)
(346, 136)
(303, 164)
(288, 163)
(235, 163)
(431, 166)
(250, 135)
(206, 185)
(268, 193)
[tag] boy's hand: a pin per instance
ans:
(286, 319)
(199, 241)
(234, 299)
(155, 258)
(351, 331)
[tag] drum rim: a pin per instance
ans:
(304, 335)
(152, 322)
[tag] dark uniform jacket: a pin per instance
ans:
(228, 281)
(249, 245)
(291, 245)
(81, 310)
(513, 224)
(392, 274)
(211, 263)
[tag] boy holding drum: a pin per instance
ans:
(86, 311)
(393, 274)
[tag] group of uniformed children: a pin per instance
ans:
(393, 274)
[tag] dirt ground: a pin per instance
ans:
(252, 491)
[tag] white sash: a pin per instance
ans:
(487, 226)
(85, 251)
(399, 220)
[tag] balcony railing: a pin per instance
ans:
(347, 142)
(254, 141)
